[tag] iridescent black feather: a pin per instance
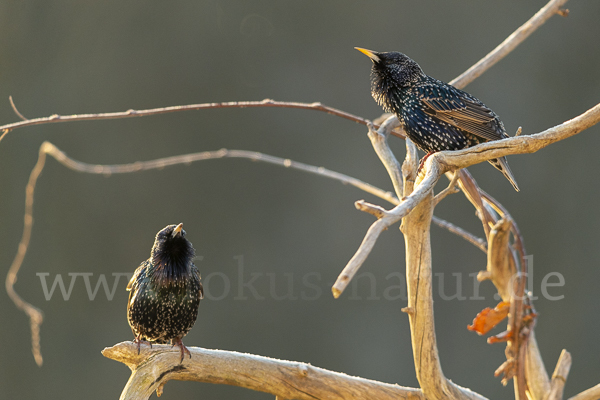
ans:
(165, 291)
(435, 115)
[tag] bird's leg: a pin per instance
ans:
(178, 342)
(422, 162)
(138, 340)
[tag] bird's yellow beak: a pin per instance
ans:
(369, 53)
(177, 230)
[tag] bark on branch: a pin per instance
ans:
(153, 368)
(444, 161)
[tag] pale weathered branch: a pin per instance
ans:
(435, 166)
(559, 377)
(501, 266)
(429, 371)
(538, 381)
(389, 218)
(154, 367)
(592, 393)
(415, 227)
(379, 141)
(451, 160)
(444, 161)
(450, 189)
(375, 210)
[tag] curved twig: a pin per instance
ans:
(48, 149)
(35, 315)
(14, 107)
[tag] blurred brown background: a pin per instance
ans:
(70, 57)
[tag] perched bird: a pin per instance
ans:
(165, 291)
(435, 115)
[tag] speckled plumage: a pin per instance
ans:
(165, 291)
(435, 115)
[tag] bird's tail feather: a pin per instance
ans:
(502, 165)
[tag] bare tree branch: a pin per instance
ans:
(517, 145)
(435, 166)
(154, 367)
(559, 377)
(450, 189)
(415, 227)
(389, 218)
(416, 207)
(431, 378)
(35, 315)
(538, 382)
(501, 51)
(14, 107)
(592, 393)
(469, 237)
(501, 267)
(164, 110)
(379, 141)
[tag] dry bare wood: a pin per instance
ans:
(153, 368)
(592, 393)
(414, 207)
(439, 163)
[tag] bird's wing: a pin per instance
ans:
(196, 274)
(462, 110)
(141, 269)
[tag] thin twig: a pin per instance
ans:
(390, 217)
(450, 189)
(14, 107)
(501, 51)
(457, 230)
(35, 315)
(164, 110)
(48, 148)
(377, 211)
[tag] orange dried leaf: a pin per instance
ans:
(489, 318)
(501, 337)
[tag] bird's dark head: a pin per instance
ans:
(391, 72)
(172, 251)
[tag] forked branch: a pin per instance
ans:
(444, 161)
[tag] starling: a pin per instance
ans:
(435, 115)
(165, 291)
